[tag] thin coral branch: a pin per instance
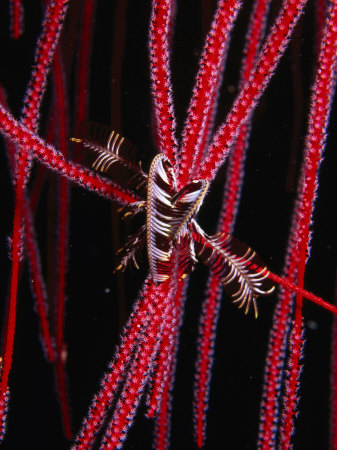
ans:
(160, 31)
(145, 310)
(322, 94)
(293, 288)
(162, 421)
(205, 91)
(16, 252)
(333, 384)
(37, 285)
(320, 20)
(206, 343)
(54, 160)
(244, 104)
(139, 370)
(46, 45)
(162, 366)
(162, 430)
(235, 171)
(298, 250)
(3, 409)
(232, 192)
(61, 108)
(16, 12)
(30, 114)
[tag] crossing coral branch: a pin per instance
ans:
(55, 161)
(271, 52)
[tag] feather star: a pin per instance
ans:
(170, 220)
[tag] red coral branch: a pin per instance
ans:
(16, 255)
(54, 160)
(162, 429)
(16, 12)
(322, 94)
(139, 370)
(37, 285)
(206, 343)
(203, 102)
(235, 171)
(269, 56)
(50, 33)
(160, 31)
(234, 181)
(46, 46)
(149, 306)
(333, 383)
(61, 109)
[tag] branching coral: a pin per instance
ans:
(143, 369)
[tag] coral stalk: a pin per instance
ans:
(244, 104)
(30, 114)
(203, 102)
(54, 160)
(149, 306)
(322, 94)
(160, 31)
(61, 108)
(234, 181)
(139, 371)
(16, 12)
(298, 250)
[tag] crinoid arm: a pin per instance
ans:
(237, 266)
(186, 204)
(132, 210)
(99, 136)
(161, 188)
(130, 252)
(109, 153)
(187, 256)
